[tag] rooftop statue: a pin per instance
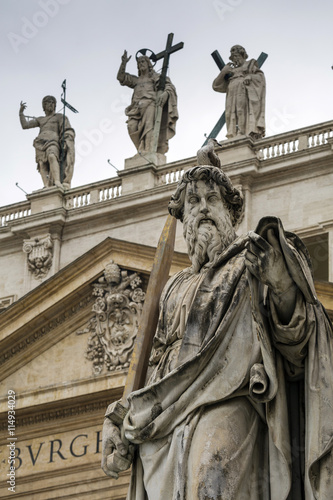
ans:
(48, 143)
(141, 112)
(245, 86)
(241, 364)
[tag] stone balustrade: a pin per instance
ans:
(110, 191)
(168, 175)
(94, 193)
(291, 142)
(265, 149)
(15, 211)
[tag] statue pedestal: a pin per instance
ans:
(46, 199)
(237, 150)
(156, 159)
(140, 172)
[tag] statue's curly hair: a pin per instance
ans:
(241, 50)
(49, 98)
(232, 197)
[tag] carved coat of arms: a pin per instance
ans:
(113, 328)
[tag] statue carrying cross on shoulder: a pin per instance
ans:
(244, 84)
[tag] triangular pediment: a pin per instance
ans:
(44, 335)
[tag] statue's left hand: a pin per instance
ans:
(247, 81)
(265, 261)
(117, 452)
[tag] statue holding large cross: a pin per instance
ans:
(244, 83)
(153, 113)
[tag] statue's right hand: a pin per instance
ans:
(117, 452)
(227, 71)
(23, 105)
(124, 57)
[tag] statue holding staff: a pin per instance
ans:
(241, 335)
(54, 130)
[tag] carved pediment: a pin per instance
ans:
(41, 352)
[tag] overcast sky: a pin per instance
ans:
(45, 41)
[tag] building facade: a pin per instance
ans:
(65, 347)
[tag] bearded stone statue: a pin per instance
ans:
(238, 399)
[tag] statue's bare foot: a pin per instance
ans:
(65, 185)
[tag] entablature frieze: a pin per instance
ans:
(87, 409)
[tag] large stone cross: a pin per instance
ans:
(220, 63)
(165, 54)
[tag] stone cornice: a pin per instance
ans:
(56, 216)
(87, 408)
(36, 335)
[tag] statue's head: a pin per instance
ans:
(144, 62)
(39, 262)
(232, 197)
(238, 54)
(49, 99)
(210, 208)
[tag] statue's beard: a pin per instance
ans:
(206, 240)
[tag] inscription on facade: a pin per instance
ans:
(63, 450)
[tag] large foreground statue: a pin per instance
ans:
(244, 84)
(142, 111)
(48, 144)
(238, 403)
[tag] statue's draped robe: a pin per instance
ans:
(249, 98)
(204, 429)
(142, 110)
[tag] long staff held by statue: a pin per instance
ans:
(148, 320)
(63, 153)
(158, 277)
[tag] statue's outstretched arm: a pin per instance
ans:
(122, 67)
(24, 122)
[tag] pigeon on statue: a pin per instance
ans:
(207, 156)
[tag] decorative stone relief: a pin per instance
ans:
(40, 253)
(7, 301)
(113, 328)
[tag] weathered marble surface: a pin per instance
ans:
(244, 84)
(141, 111)
(241, 333)
(48, 143)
